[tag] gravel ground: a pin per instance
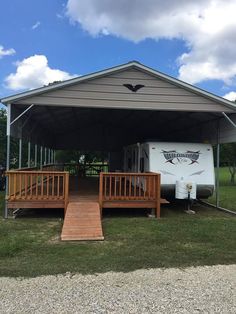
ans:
(209, 289)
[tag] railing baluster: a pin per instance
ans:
(105, 186)
(63, 186)
(47, 186)
(125, 186)
(115, 179)
(53, 182)
(144, 186)
(30, 185)
(119, 179)
(14, 185)
(154, 188)
(139, 185)
(130, 186)
(26, 179)
(135, 185)
(101, 192)
(58, 186)
(36, 186)
(20, 185)
(42, 185)
(158, 196)
(110, 186)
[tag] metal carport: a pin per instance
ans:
(98, 112)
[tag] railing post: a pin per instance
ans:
(158, 195)
(66, 190)
(101, 191)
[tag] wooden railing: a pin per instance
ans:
(48, 167)
(130, 190)
(53, 167)
(85, 170)
(38, 186)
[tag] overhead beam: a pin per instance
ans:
(20, 115)
(228, 118)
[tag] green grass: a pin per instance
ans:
(227, 191)
(31, 247)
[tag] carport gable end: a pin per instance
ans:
(99, 112)
(129, 86)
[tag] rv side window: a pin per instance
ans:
(142, 164)
(129, 163)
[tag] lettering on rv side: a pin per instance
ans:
(174, 157)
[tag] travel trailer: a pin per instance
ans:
(187, 169)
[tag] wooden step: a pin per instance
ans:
(164, 201)
(82, 222)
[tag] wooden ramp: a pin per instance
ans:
(82, 222)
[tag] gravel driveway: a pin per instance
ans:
(209, 289)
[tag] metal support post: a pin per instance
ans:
(49, 155)
(35, 155)
(45, 155)
(8, 154)
(29, 151)
(218, 167)
(41, 157)
(20, 153)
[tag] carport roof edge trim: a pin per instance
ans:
(132, 64)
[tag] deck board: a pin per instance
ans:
(82, 222)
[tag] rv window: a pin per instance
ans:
(142, 164)
(129, 163)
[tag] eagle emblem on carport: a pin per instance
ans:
(133, 88)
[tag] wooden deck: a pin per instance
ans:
(83, 198)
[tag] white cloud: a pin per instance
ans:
(59, 16)
(6, 52)
(36, 25)
(230, 96)
(34, 72)
(208, 28)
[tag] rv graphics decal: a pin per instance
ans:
(175, 157)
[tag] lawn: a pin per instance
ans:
(30, 246)
(227, 191)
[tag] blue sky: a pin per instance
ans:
(43, 40)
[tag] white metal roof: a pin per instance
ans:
(133, 64)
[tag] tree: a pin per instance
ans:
(80, 157)
(228, 157)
